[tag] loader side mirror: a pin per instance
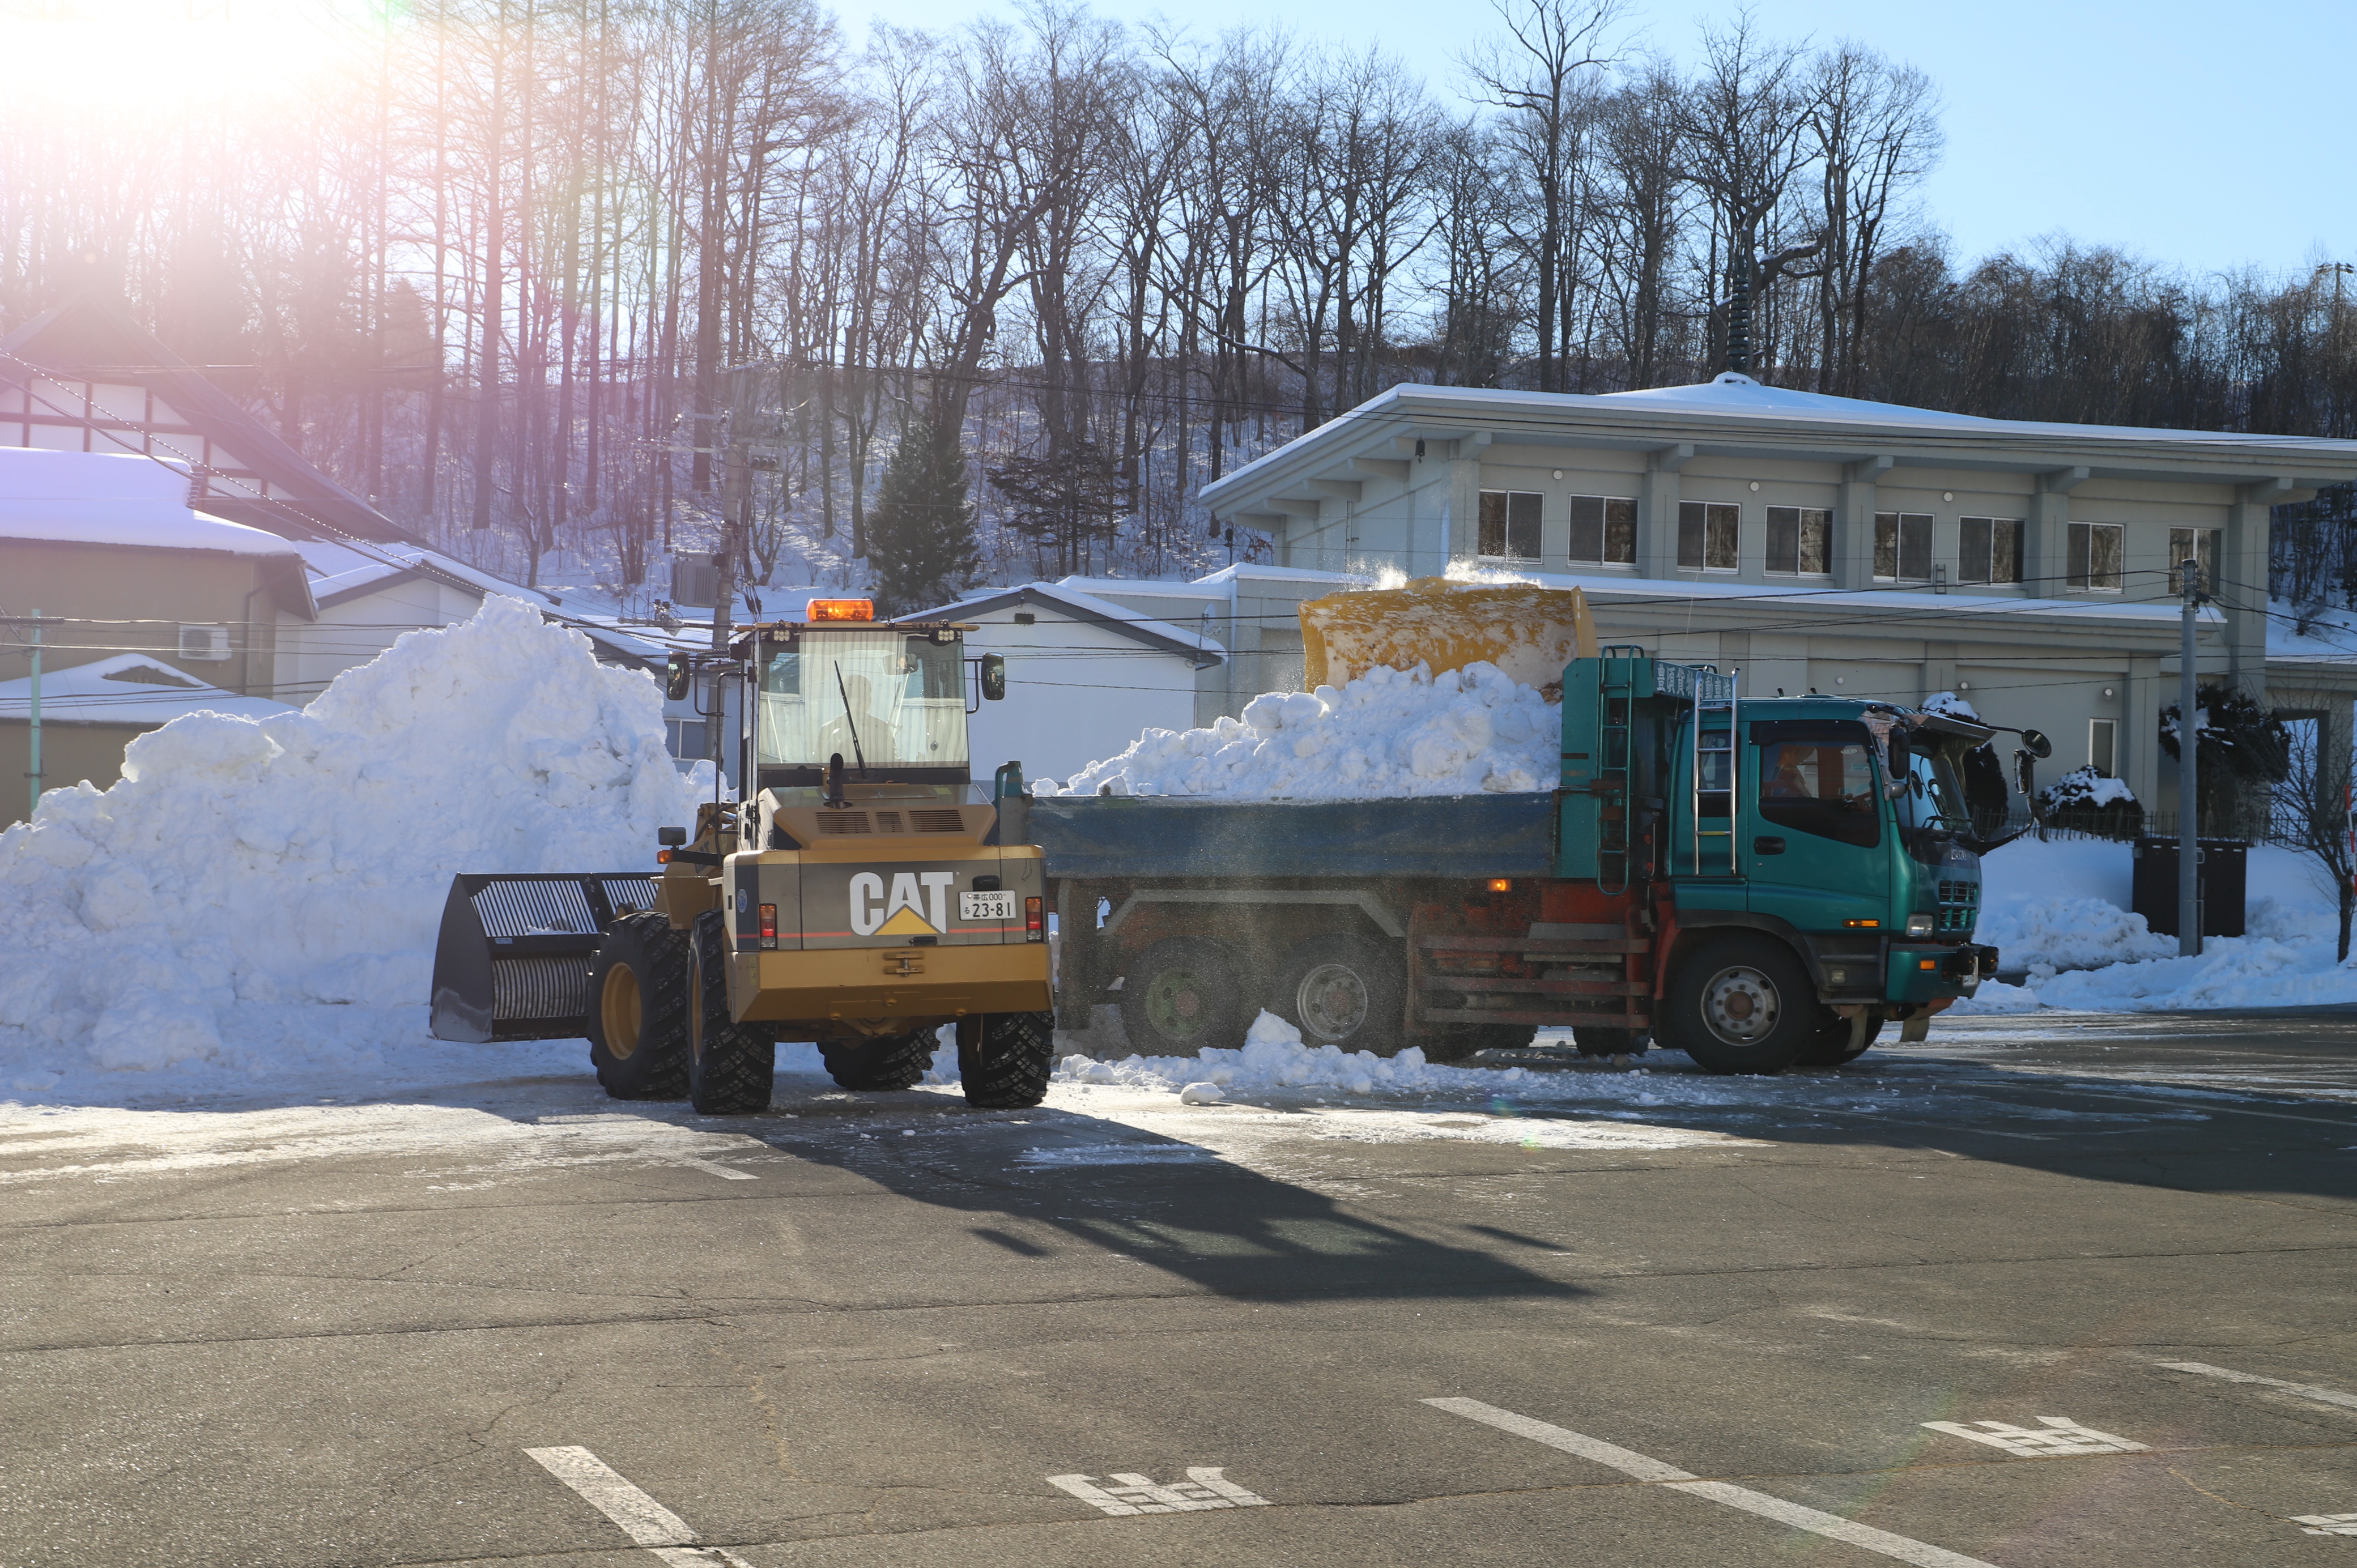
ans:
(671, 838)
(676, 678)
(993, 676)
(2037, 744)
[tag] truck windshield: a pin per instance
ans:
(1932, 797)
(877, 697)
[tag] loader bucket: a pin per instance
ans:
(1529, 632)
(513, 960)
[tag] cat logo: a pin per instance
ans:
(918, 904)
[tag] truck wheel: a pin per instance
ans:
(1832, 1048)
(1180, 995)
(638, 1012)
(1344, 990)
(1005, 1059)
(1739, 1005)
(1598, 1040)
(892, 1062)
(729, 1065)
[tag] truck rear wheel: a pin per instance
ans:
(1182, 994)
(638, 1014)
(890, 1062)
(1005, 1059)
(1739, 1003)
(1344, 990)
(1832, 1048)
(729, 1065)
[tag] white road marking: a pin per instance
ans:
(730, 1172)
(2326, 1523)
(2060, 1435)
(1204, 1488)
(643, 1520)
(1671, 1478)
(2305, 1390)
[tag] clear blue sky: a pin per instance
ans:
(2206, 135)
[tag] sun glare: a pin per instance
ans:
(168, 54)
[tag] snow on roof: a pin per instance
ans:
(105, 497)
(127, 689)
(1088, 608)
(2331, 636)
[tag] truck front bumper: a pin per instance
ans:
(1929, 973)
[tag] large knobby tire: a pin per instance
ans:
(729, 1065)
(637, 1009)
(1344, 990)
(1831, 1047)
(1180, 995)
(1739, 1003)
(1005, 1059)
(890, 1062)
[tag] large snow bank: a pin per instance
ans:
(2059, 910)
(1389, 733)
(242, 867)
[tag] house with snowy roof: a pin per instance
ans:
(1822, 543)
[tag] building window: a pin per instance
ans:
(2202, 543)
(2103, 747)
(1799, 542)
(1510, 525)
(1988, 550)
(1604, 530)
(2094, 563)
(1706, 536)
(1902, 546)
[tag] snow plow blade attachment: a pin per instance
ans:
(513, 960)
(1529, 632)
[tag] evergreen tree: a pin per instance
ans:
(920, 540)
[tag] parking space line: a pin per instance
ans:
(1671, 1478)
(716, 1168)
(663, 1532)
(2305, 1390)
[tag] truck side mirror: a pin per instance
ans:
(1903, 762)
(993, 676)
(671, 838)
(2038, 745)
(676, 678)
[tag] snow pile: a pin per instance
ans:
(1389, 733)
(1952, 705)
(246, 870)
(1273, 1056)
(2082, 786)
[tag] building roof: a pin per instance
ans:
(1088, 610)
(1734, 416)
(94, 336)
(128, 689)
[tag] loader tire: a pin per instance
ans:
(1832, 1048)
(1182, 994)
(1004, 1059)
(895, 1061)
(1739, 1003)
(637, 1009)
(729, 1065)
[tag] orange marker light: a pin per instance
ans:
(1861, 922)
(843, 609)
(1501, 885)
(1928, 964)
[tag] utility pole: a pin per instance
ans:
(2188, 747)
(33, 769)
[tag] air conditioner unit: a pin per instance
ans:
(695, 580)
(205, 642)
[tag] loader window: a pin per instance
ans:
(875, 695)
(1822, 786)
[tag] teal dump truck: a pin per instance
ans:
(1760, 884)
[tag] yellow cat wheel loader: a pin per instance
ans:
(860, 896)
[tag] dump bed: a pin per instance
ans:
(1097, 837)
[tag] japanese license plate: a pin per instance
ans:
(986, 905)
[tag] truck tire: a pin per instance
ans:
(1180, 995)
(1739, 1003)
(637, 1009)
(1344, 990)
(890, 1062)
(1004, 1059)
(1832, 1048)
(729, 1065)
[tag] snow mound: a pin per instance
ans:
(242, 866)
(1273, 1056)
(1389, 733)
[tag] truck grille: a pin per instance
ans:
(1959, 903)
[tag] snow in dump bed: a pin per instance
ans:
(1389, 733)
(261, 894)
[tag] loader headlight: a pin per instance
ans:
(1919, 925)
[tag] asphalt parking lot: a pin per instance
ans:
(2056, 1291)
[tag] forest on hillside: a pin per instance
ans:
(997, 303)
